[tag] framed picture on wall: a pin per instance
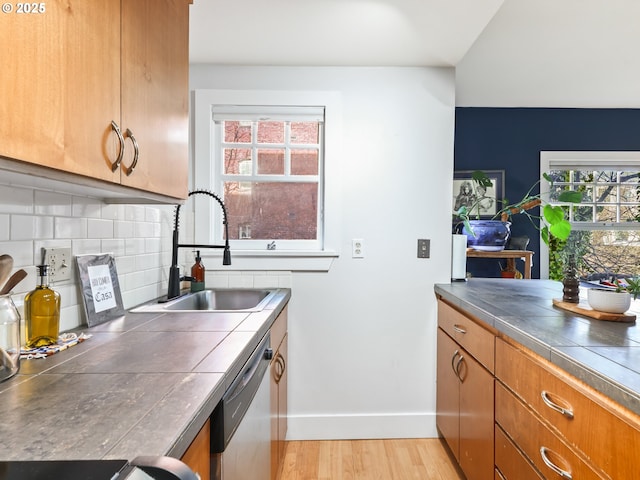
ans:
(485, 201)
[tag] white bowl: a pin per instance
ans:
(609, 301)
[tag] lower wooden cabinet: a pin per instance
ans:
(543, 422)
(464, 403)
(591, 432)
(198, 455)
(511, 463)
(279, 379)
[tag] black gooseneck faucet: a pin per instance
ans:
(174, 272)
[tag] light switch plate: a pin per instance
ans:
(424, 248)
(60, 263)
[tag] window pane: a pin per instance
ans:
(237, 132)
(304, 162)
(236, 159)
(606, 214)
(270, 132)
(271, 161)
(273, 211)
(305, 132)
(607, 194)
(613, 252)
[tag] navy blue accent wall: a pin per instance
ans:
(511, 139)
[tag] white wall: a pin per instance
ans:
(362, 336)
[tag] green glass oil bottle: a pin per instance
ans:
(42, 312)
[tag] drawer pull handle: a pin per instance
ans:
(459, 329)
(553, 466)
(567, 412)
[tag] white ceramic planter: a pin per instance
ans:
(608, 301)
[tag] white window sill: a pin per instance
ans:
(273, 260)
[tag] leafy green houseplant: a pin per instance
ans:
(554, 222)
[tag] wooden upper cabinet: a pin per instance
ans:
(155, 99)
(92, 88)
(31, 79)
(74, 72)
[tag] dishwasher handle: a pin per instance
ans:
(236, 400)
(244, 379)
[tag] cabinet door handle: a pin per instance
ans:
(457, 369)
(136, 152)
(567, 412)
(500, 474)
(280, 371)
(553, 466)
(459, 329)
(116, 129)
(453, 362)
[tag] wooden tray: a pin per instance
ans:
(583, 308)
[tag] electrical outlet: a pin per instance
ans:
(424, 248)
(59, 261)
(357, 248)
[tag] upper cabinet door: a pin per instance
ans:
(155, 86)
(92, 88)
(31, 79)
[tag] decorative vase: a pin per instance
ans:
(488, 235)
(610, 301)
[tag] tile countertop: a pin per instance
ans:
(603, 354)
(143, 384)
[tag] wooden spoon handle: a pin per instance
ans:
(14, 279)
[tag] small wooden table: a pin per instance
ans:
(510, 255)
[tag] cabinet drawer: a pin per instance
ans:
(590, 427)
(535, 439)
(475, 339)
(510, 462)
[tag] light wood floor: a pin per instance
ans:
(394, 459)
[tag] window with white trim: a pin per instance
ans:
(608, 218)
(268, 162)
(286, 141)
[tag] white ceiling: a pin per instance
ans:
(336, 32)
(506, 52)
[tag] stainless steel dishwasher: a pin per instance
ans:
(241, 423)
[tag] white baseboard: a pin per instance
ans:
(342, 427)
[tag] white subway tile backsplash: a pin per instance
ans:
(123, 229)
(134, 246)
(69, 227)
(138, 236)
(52, 203)
(113, 212)
(86, 207)
(86, 247)
(20, 251)
(135, 213)
(113, 245)
(16, 200)
(22, 227)
(97, 228)
(143, 229)
(4, 227)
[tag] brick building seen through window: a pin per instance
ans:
(271, 173)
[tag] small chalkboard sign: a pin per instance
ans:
(100, 288)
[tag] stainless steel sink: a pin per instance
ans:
(217, 300)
